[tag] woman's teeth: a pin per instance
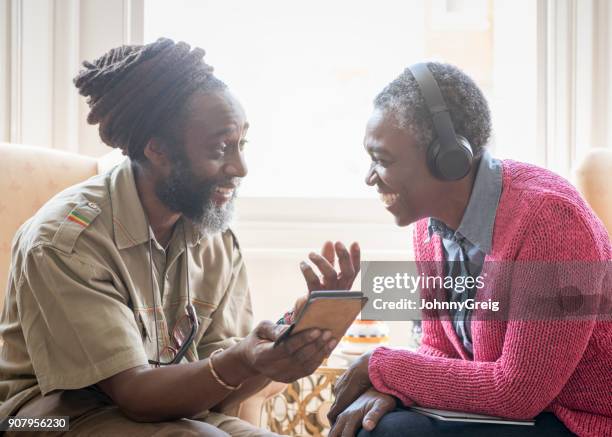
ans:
(388, 198)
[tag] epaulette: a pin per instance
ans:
(77, 220)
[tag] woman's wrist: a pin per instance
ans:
(287, 318)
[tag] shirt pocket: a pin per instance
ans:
(145, 320)
(204, 314)
(142, 326)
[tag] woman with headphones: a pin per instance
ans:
(426, 139)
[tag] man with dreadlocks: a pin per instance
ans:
(118, 278)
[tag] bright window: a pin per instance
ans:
(307, 73)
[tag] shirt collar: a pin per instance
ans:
(130, 224)
(479, 218)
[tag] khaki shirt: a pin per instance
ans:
(79, 305)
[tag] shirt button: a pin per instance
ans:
(93, 205)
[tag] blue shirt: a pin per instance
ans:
(465, 248)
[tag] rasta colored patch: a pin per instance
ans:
(78, 218)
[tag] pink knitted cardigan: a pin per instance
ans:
(519, 368)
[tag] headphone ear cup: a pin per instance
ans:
(465, 144)
(451, 163)
(432, 153)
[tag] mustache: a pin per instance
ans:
(228, 183)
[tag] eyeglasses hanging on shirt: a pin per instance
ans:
(185, 328)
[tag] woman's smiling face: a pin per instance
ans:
(398, 169)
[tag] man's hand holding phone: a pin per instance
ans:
(298, 356)
(300, 353)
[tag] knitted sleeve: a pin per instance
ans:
(434, 341)
(538, 357)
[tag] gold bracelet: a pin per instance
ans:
(216, 375)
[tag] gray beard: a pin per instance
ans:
(183, 193)
(215, 218)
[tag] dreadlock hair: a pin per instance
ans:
(137, 92)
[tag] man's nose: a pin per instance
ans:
(371, 177)
(237, 167)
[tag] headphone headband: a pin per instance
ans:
(449, 156)
(440, 115)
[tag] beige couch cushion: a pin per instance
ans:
(593, 178)
(29, 176)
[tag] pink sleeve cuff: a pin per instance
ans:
(376, 367)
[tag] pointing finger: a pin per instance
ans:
(312, 280)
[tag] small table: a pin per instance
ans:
(301, 409)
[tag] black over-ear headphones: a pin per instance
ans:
(449, 156)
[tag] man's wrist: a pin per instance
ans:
(232, 366)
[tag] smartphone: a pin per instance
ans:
(327, 310)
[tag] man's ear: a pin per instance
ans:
(155, 152)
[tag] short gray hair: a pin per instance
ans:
(467, 105)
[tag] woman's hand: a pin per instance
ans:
(365, 412)
(330, 279)
(350, 386)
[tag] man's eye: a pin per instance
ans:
(378, 161)
(242, 143)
